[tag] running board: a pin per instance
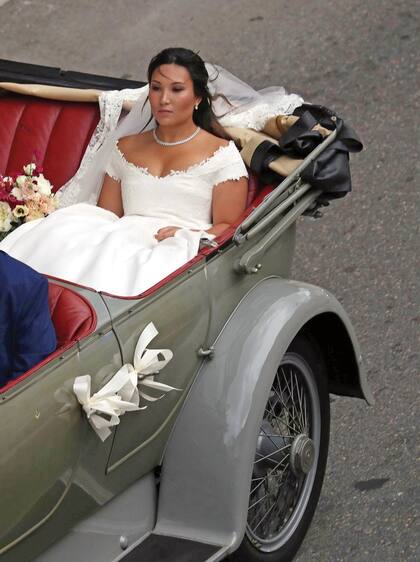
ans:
(160, 548)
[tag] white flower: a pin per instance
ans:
(43, 185)
(20, 211)
(20, 181)
(29, 169)
(17, 192)
(6, 217)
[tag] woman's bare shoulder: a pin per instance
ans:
(132, 143)
(212, 142)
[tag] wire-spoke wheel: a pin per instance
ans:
(290, 458)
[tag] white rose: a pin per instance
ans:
(29, 169)
(17, 192)
(20, 181)
(6, 217)
(43, 185)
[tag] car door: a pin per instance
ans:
(180, 312)
(44, 439)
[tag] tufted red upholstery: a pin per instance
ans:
(72, 315)
(55, 133)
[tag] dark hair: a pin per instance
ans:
(203, 116)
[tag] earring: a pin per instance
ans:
(196, 106)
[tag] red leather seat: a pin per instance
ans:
(53, 134)
(253, 188)
(73, 318)
(72, 315)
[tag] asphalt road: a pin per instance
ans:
(361, 58)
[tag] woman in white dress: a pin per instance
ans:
(163, 190)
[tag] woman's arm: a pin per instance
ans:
(110, 196)
(228, 204)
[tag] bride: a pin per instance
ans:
(161, 190)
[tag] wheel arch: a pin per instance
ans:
(341, 354)
(207, 464)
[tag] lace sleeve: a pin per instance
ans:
(227, 165)
(114, 168)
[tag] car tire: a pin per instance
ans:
(290, 459)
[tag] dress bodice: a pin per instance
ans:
(182, 197)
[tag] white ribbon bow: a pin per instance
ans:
(147, 362)
(118, 396)
(121, 394)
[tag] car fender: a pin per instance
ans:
(207, 465)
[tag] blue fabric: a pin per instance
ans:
(26, 331)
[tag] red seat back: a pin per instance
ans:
(73, 318)
(72, 315)
(253, 188)
(53, 134)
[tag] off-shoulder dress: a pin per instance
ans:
(91, 246)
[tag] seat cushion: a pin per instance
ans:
(53, 134)
(72, 315)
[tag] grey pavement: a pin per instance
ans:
(361, 58)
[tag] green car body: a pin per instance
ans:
(66, 495)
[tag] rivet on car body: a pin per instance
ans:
(123, 542)
(206, 352)
(256, 269)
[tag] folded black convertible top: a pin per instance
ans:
(24, 73)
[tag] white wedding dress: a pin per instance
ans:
(88, 245)
(91, 246)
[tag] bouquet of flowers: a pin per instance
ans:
(24, 197)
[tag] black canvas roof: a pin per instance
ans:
(24, 73)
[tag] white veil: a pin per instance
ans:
(235, 104)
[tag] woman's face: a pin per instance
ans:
(171, 95)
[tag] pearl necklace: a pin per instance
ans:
(175, 143)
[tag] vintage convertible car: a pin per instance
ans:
(229, 465)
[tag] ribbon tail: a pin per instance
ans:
(150, 398)
(102, 426)
(150, 364)
(148, 334)
(146, 361)
(121, 378)
(81, 388)
(103, 433)
(157, 385)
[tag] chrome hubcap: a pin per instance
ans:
(302, 455)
